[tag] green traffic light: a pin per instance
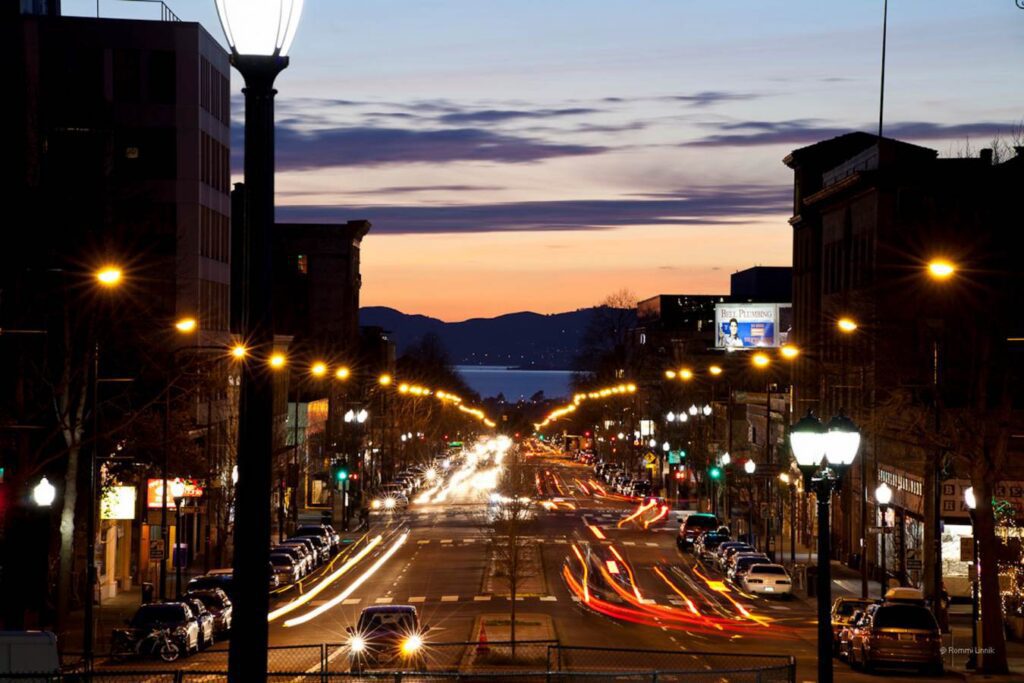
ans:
(342, 475)
(715, 473)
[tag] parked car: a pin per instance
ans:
(727, 549)
(307, 544)
(693, 526)
(843, 611)
(707, 543)
(640, 489)
(218, 604)
(207, 627)
(320, 546)
(741, 562)
(896, 634)
(300, 558)
(324, 531)
(767, 579)
(387, 634)
(222, 579)
(285, 568)
(176, 617)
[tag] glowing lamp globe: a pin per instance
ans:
(883, 494)
(807, 439)
(177, 488)
(44, 493)
(750, 467)
(263, 28)
(969, 498)
(842, 441)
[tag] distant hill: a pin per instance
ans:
(526, 340)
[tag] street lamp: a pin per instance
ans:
(846, 325)
(693, 410)
(109, 276)
(259, 35)
(823, 454)
(972, 504)
(883, 494)
(940, 269)
(750, 467)
(342, 373)
(44, 493)
(178, 493)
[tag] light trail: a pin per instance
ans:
(677, 591)
(629, 571)
(662, 514)
(639, 511)
(337, 599)
(320, 587)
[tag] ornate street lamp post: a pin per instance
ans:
(883, 495)
(259, 33)
(824, 454)
(972, 503)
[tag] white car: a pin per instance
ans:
(768, 579)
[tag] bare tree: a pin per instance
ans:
(511, 515)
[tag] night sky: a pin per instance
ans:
(528, 154)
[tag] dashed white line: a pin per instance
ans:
(449, 598)
(351, 601)
(481, 598)
(418, 598)
(549, 598)
(384, 601)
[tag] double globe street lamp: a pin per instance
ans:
(824, 454)
(259, 33)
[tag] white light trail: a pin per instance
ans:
(337, 599)
(303, 599)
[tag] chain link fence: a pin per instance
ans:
(489, 661)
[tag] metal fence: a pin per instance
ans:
(493, 661)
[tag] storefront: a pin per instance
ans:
(114, 565)
(903, 526)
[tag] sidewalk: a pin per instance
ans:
(846, 582)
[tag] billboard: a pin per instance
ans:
(155, 492)
(751, 326)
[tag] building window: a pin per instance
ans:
(162, 77)
(302, 264)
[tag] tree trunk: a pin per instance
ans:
(67, 538)
(993, 634)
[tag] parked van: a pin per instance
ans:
(29, 652)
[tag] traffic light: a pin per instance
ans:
(339, 474)
(715, 473)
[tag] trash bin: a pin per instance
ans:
(147, 593)
(812, 582)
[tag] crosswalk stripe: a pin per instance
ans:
(549, 598)
(481, 598)
(650, 544)
(418, 598)
(449, 598)
(424, 541)
(351, 601)
(629, 543)
(384, 601)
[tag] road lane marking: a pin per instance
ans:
(549, 598)
(418, 598)
(352, 601)
(629, 543)
(384, 601)
(449, 598)
(481, 598)
(649, 544)
(424, 542)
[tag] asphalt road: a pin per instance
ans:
(435, 556)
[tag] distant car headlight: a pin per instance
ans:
(375, 505)
(411, 644)
(357, 644)
(390, 503)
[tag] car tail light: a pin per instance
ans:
(782, 582)
(754, 581)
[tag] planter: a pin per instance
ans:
(1017, 627)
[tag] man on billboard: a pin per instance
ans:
(732, 339)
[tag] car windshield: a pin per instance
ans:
(904, 616)
(398, 622)
(210, 600)
(149, 615)
(744, 562)
(848, 607)
(280, 560)
(201, 582)
(767, 569)
(701, 522)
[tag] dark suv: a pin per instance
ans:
(387, 634)
(695, 524)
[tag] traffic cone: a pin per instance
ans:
(482, 647)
